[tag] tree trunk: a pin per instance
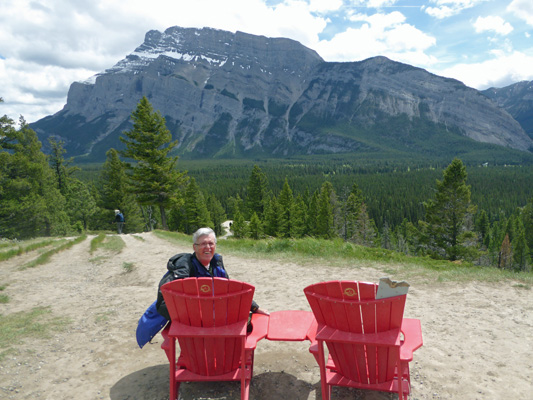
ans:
(163, 217)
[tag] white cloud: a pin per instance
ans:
(502, 70)
(522, 9)
(449, 8)
(440, 12)
(34, 90)
(324, 5)
(380, 3)
(45, 45)
(493, 23)
(380, 34)
(372, 3)
(62, 41)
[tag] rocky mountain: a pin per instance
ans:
(517, 100)
(229, 94)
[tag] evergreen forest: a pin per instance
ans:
(476, 212)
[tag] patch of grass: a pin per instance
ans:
(114, 244)
(96, 241)
(522, 286)
(45, 257)
(104, 317)
(4, 298)
(174, 237)
(337, 253)
(7, 243)
(6, 255)
(139, 238)
(37, 323)
(128, 266)
(102, 241)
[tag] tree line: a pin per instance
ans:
(41, 196)
(452, 228)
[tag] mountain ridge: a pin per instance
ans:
(238, 95)
(517, 100)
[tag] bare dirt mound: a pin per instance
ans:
(477, 336)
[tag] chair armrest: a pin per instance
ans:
(386, 338)
(166, 344)
(311, 332)
(412, 332)
(234, 330)
(259, 331)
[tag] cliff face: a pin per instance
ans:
(517, 100)
(238, 95)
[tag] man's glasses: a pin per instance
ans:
(206, 244)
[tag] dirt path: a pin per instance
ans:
(477, 337)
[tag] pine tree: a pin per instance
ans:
(312, 213)
(354, 204)
(520, 249)
(510, 228)
(343, 216)
(255, 229)
(325, 227)
(483, 228)
(386, 240)
(154, 177)
(61, 167)
(365, 230)
(196, 213)
(505, 257)
(448, 213)
(285, 203)
(299, 216)
(218, 215)
(270, 223)
(81, 204)
(235, 203)
(497, 236)
(116, 194)
(239, 227)
(407, 237)
(527, 220)
(30, 202)
(257, 192)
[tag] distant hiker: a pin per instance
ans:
(119, 220)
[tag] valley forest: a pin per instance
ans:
(477, 213)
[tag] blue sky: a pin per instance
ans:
(45, 45)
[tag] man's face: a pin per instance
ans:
(204, 248)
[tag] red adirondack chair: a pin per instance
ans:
(370, 344)
(209, 319)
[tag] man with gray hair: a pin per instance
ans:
(204, 262)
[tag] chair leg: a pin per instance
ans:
(245, 390)
(404, 380)
(172, 361)
(326, 389)
(245, 383)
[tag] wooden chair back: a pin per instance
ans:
(353, 324)
(209, 303)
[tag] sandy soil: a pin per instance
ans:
(477, 336)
